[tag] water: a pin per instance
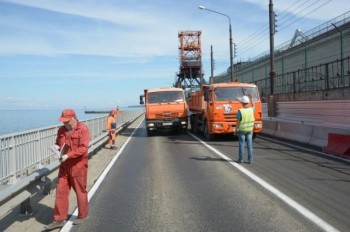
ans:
(13, 121)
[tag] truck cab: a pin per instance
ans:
(214, 108)
(166, 108)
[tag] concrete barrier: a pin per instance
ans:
(269, 127)
(294, 131)
(338, 144)
(311, 134)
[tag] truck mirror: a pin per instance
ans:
(141, 100)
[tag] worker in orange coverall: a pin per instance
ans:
(73, 143)
(111, 126)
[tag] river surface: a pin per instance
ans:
(13, 121)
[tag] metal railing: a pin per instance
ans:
(322, 77)
(26, 152)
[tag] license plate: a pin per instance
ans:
(167, 123)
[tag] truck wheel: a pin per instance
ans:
(192, 124)
(207, 135)
(181, 131)
(150, 133)
(195, 127)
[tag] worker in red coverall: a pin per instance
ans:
(111, 126)
(73, 142)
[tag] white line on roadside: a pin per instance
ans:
(301, 209)
(97, 184)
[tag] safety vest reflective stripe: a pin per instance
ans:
(247, 120)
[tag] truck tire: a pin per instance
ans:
(196, 127)
(192, 124)
(181, 131)
(150, 133)
(207, 135)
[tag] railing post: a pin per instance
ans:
(38, 154)
(294, 83)
(26, 208)
(348, 58)
(47, 185)
(327, 76)
(12, 160)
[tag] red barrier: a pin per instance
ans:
(338, 144)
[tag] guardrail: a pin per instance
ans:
(23, 153)
(26, 161)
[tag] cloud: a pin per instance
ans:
(102, 29)
(106, 11)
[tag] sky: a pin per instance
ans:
(99, 54)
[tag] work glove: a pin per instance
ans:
(64, 158)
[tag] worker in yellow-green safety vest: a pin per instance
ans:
(244, 127)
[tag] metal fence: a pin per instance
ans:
(320, 62)
(313, 33)
(327, 76)
(23, 153)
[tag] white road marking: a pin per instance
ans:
(301, 209)
(67, 227)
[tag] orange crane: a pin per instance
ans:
(190, 75)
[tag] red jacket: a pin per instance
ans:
(76, 143)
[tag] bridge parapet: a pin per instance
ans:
(309, 122)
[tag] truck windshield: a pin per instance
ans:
(234, 93)
(166, 96)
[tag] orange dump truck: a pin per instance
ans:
(165, 108)
(213, 109)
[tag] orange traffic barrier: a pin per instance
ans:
(338, 144)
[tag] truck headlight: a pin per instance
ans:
(217, 125)
(257, 125)
(150, 125)
(183, 123)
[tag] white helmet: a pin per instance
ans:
(244, 99)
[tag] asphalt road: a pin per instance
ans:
(171, 182)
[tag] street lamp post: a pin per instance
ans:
(231, 50)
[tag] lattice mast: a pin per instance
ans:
(190, 75)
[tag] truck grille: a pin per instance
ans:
(166, 115)
(230, 117)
